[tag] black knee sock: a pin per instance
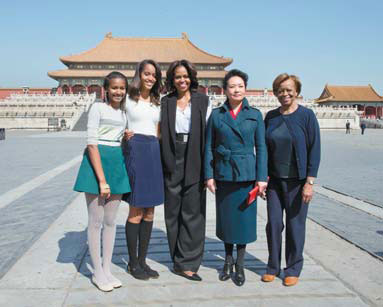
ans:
(131, 233)
(144, 238)
(241, 250)
(229, 251)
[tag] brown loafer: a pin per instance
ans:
(268, 277)
(290, 281)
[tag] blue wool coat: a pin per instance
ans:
(235, 149)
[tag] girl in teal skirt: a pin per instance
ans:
(103, 177)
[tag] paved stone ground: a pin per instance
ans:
(23, 157)
(353, 164)
(354, 225)
(50, 259)
(64, 277)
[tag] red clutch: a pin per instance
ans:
(252, 195)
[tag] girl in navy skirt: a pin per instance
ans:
(143, 164)
(103, 177)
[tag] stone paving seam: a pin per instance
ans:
(78, 266)
(335, 274)
(346, 239)
(21, 190)
(350, 201)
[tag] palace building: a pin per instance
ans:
(365, 98)
(85, 71)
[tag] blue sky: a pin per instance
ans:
(337, 42)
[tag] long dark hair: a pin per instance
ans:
(108, 78)
(135, 86)
(192, 72)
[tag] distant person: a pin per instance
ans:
(184, 113)
(362, 127)
(293, 142)
(235, 160)
(143, 163)
(103, 177)
(348, 127)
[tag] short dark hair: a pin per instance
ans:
(235, 73)
(115, 75)
(192, 72)
(135, 85)
(284, 77)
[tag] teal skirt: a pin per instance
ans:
(113, 165)
(236, 223)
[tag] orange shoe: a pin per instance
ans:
(290, 281)
(268, 277)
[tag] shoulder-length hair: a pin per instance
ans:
(192, 72)
(108, 78)
(135, 86)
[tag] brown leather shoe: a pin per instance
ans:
(268, 277)
(290, 281)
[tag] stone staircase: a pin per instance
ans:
(81, 124)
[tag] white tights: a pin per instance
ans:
(102, 212)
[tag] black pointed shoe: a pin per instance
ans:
(239, 275)
(227, 270)
(193, 277)
(151, 273)
(137, 272)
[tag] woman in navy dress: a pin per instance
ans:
(235, 160)
(143, 164)
(293, 143)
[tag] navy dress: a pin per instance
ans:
(235, 157)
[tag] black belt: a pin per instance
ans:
(182, 137)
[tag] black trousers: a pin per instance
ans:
(286, 195)
(185, 209)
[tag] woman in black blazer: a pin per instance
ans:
(183, 122)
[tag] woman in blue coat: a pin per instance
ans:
(235, 158)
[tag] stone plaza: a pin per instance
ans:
(44, 259)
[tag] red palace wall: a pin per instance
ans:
(6, 92)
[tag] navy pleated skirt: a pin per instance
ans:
(236, 222)
(143, 164)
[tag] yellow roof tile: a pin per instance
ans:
(333, 93)
(135, 49)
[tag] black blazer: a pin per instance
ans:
(196, 142)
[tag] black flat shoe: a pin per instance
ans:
(227, 271)
(239, 275)
(194, 277)
(151, 273)
(137, 272)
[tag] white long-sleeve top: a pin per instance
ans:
(106, 125)
(143, 117)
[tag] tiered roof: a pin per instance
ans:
(100, 73)
(334, 93)
(135, 49)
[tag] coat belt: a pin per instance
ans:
(226, 155)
